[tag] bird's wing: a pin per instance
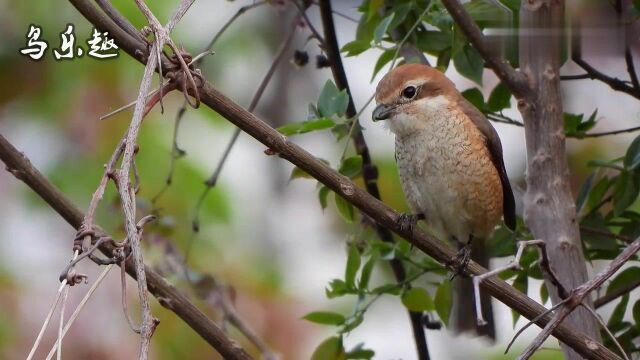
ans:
(495, 149)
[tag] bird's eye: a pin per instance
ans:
(409, 92)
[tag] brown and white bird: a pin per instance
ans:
(451, 168)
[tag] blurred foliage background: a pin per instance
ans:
(266, 240)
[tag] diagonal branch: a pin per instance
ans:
(369, 170)
(515, 80)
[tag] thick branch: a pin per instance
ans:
(549, 209)
(369, 170)
(515, 80)
(361, 199)
(167, 294)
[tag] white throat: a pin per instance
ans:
(423, 112)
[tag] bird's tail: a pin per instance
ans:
(463, 315)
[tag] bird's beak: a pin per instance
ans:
(382, 112)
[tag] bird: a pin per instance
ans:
(452, 173)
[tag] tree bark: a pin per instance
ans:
(549, 206)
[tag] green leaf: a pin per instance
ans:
(361, 354)
(519, 283)
(325, 318)
(353, 265)
(469, 63)
(499, 99)
(351, 167)
(443, 301)
(474, 96)
(353, 323)
(322, 196)
(571, 122)
(632, 157)
(626, 277)
(332, 101)
(337, 288)
(625, 191)
(298, 173)
(636, 312)
(356, 47)
(597, 193)
(418, 299)
(391, 289)
(374, 7)
(443, 60)
(306, 126)
(618, 313)
(382, 28)
(367, 269)
(434, 42)
(345, 209)
(385, 58)
(330, 349)
(544, 293)
(584, 191)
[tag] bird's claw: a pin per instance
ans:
(408, 221)
(461, 261)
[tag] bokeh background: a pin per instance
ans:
(260, 233)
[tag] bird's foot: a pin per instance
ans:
(461, 261)
(408, 221)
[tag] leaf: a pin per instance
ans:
(626, 277)
(469, 63)
(434, 42)
(345, 209)
(365, 275)
(597, 193)
(298, 173)
(618, 313)
(443, 301)
(353, 323)
(325, 318)
(391, 289)
(332, 101)
(474, 96)
(382, 28)
(322, 196)
(571, 122)
(625, 192)
(443, 60)
(544, 293)
(361, 354)
(499, 99)
(355, 47)
(330, 349)
(351, 167)
(584, 191)
(336, 288)
(353, 265)
(417, 299)
(374, 7)
(636, 312)
(306, 126)
(385, 58)
(632, 157)
(519, 283)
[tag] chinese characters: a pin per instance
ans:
(101, 46)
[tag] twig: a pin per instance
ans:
(80, 306)
(302, 10)
(46, 320)
(126, 195)
(64, 302)
(531, 322)
(503, 119)
(608, 234)
(512, 265)
(515, 80)
(625, 289)
(369, 170)
(595, 74)
(575, 77)
(606, 329)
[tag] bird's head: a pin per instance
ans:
(410, 95)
